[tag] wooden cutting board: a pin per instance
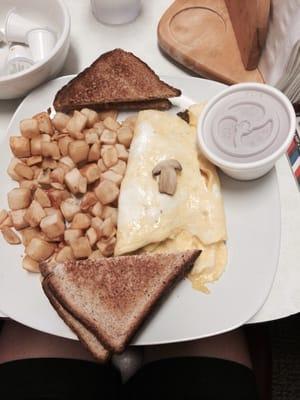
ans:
(199, 35)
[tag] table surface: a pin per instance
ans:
(90, 38)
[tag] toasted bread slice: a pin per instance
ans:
(86, 337)
(115, 78)
(159, 104)
(112, 297)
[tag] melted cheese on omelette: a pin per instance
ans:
(149, 221)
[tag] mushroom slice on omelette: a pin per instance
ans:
(192, 218)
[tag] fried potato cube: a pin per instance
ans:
(91, 136)
(44, 123)
(111, 123)
(64, 254)
(91, 172)
(94, 152)
(75, 181)
(99, 126)
(20, 146)
(10, 236)
(66, 163)
(110, 212)
(97, 209)
(28, 234)
(50, 149)
(81, 221)
(18, 219)
(92, 236)
(19, 198)
(101, 166)
(122, 152)
(24, 171)
(60, 121)
(88, 200)
(30, 264)
(76, 124)
(69, 208)
(107, 247)
(72, 234)
(112, 176)
(125, 135)
(96, 223)
(33, 160)
(119, 168)
(43, 177)
(95, 255)
(29, 128)
(108, 228)
(31, 185)
(58, 196)
(36, 146)
(7, 222)
(63, 144)
(42, 197)
(52, 226)
(130, 121)
(3, 215)
(108, 137)
(78, 150)
(91, 115)
(39, 250)
(34, 214)
(105, 114)
(11, 169)
(109, 156)
(81, 247)
(107, 192)
(57, 175)
(49, 163)
(54, 211)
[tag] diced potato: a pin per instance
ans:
(81, 221)
(101, 166)
(49, 163)
(60, 121)
(19, 198)
(69, 208)
(57, 185)
(92, 116)
(122, 152)
(36, 146)
(119, 168)
(64, 254)
(91, 172)
(130, 121)
(91, 136)
(44, 177)
(34, 214)
(54, 211)
(107, 192)
(29, 128)
(109, 156)
(107, 247)
(39, 249)
(112, 176)
(11, 169)
(88, 200)
(97, 209)
(125, 135)
(18, 219)
(108, 137)
(76, 125)
(111, 123)
(78, 150)
(34, 160)
(110, 212)
(7, 222)
(20, 146)
(66, 163)
(58, 196)
(75, 181)
(94, 152)
(24, 171)
(58, 175)
(63, 145)
(42, 197)
(96, 223)
(30, 264)
(31, 185)
(100, 127)
(72, 234)
(52, 226)
(50, 150)
(10, 236)
(3, 215)
(108, 228)
(105, 114)
(28, 234)
(45, 138)
(81, 247)
(95, 255)
(44, 123)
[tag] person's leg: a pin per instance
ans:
(206, 369)
(35, 365)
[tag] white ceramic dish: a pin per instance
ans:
(253, 221)
(56, 17)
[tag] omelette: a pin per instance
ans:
(192, 218)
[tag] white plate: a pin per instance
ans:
(253, 221)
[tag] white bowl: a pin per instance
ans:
(232, 117)
(52, 14)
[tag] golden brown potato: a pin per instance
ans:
(81, 247)
(50, 150)
(63, 144)
(78, 150)
(75, 181)
(19, 198)
(29, 128)
(88, 200)
(76, 125)
(44, 123)
(60, 121)
(72, 234)
(18, 219)
(107, 192)
(91, 115)
(64, 254)
(125, 135)
(10, 236)
(109, 156)
(97, 209)
(111, 123)
(69, 208)
(24, 171)
(20, 146)
(52, 226)
(91, 172)
(42, 197)
(30, 264)
(34, 214)
(39, 250)
(81, 221)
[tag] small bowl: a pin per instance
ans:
(55, 17)
(245, 129)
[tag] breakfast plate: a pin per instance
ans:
(253, 224)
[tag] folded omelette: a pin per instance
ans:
(193, 218)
